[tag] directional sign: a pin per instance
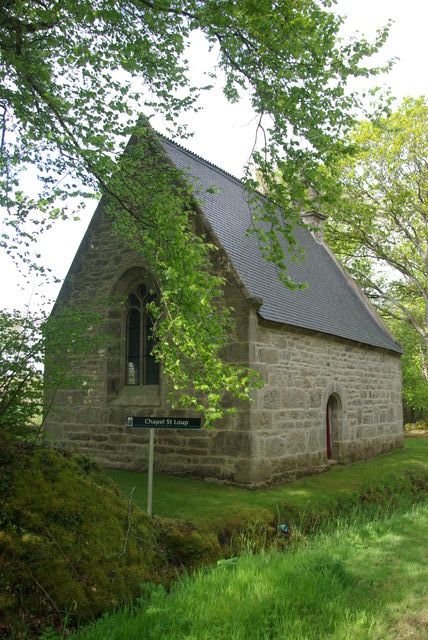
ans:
(158, 422)
(155, 422)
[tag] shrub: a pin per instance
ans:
(421, 425)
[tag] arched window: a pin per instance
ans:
(141, 367)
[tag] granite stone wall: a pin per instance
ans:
(302, 371)
(92, 419)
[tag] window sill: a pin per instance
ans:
(147, 395)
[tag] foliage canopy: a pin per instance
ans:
(415, 387)
(380, 226)
(74, 78)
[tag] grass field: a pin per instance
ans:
(365, 581)
(197, 500)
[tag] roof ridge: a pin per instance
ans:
(204, 160)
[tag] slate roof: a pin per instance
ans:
(330, 304)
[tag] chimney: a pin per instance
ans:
(314, 220)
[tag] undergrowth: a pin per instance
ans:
(420, 425)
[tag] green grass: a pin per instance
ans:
(200, 501)
(364, 581)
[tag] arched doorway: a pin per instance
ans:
(332, 419)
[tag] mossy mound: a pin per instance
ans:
(65, 548)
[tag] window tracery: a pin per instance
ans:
(141, 366)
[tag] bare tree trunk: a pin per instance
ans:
(424, 360)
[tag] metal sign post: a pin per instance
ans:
(152, 423)
(150, 471)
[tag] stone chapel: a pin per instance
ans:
(332, 369)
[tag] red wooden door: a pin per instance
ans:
(328, 425)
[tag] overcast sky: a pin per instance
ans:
(224, 133)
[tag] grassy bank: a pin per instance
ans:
(202, 502)
(73, 546)
(367, 580)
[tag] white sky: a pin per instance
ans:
(224, 133)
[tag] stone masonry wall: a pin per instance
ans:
(280, 436)
(302, 370)
(91, 420)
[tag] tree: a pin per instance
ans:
(415, 387)
(380, 226)
(26, 343)
(70, 94)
